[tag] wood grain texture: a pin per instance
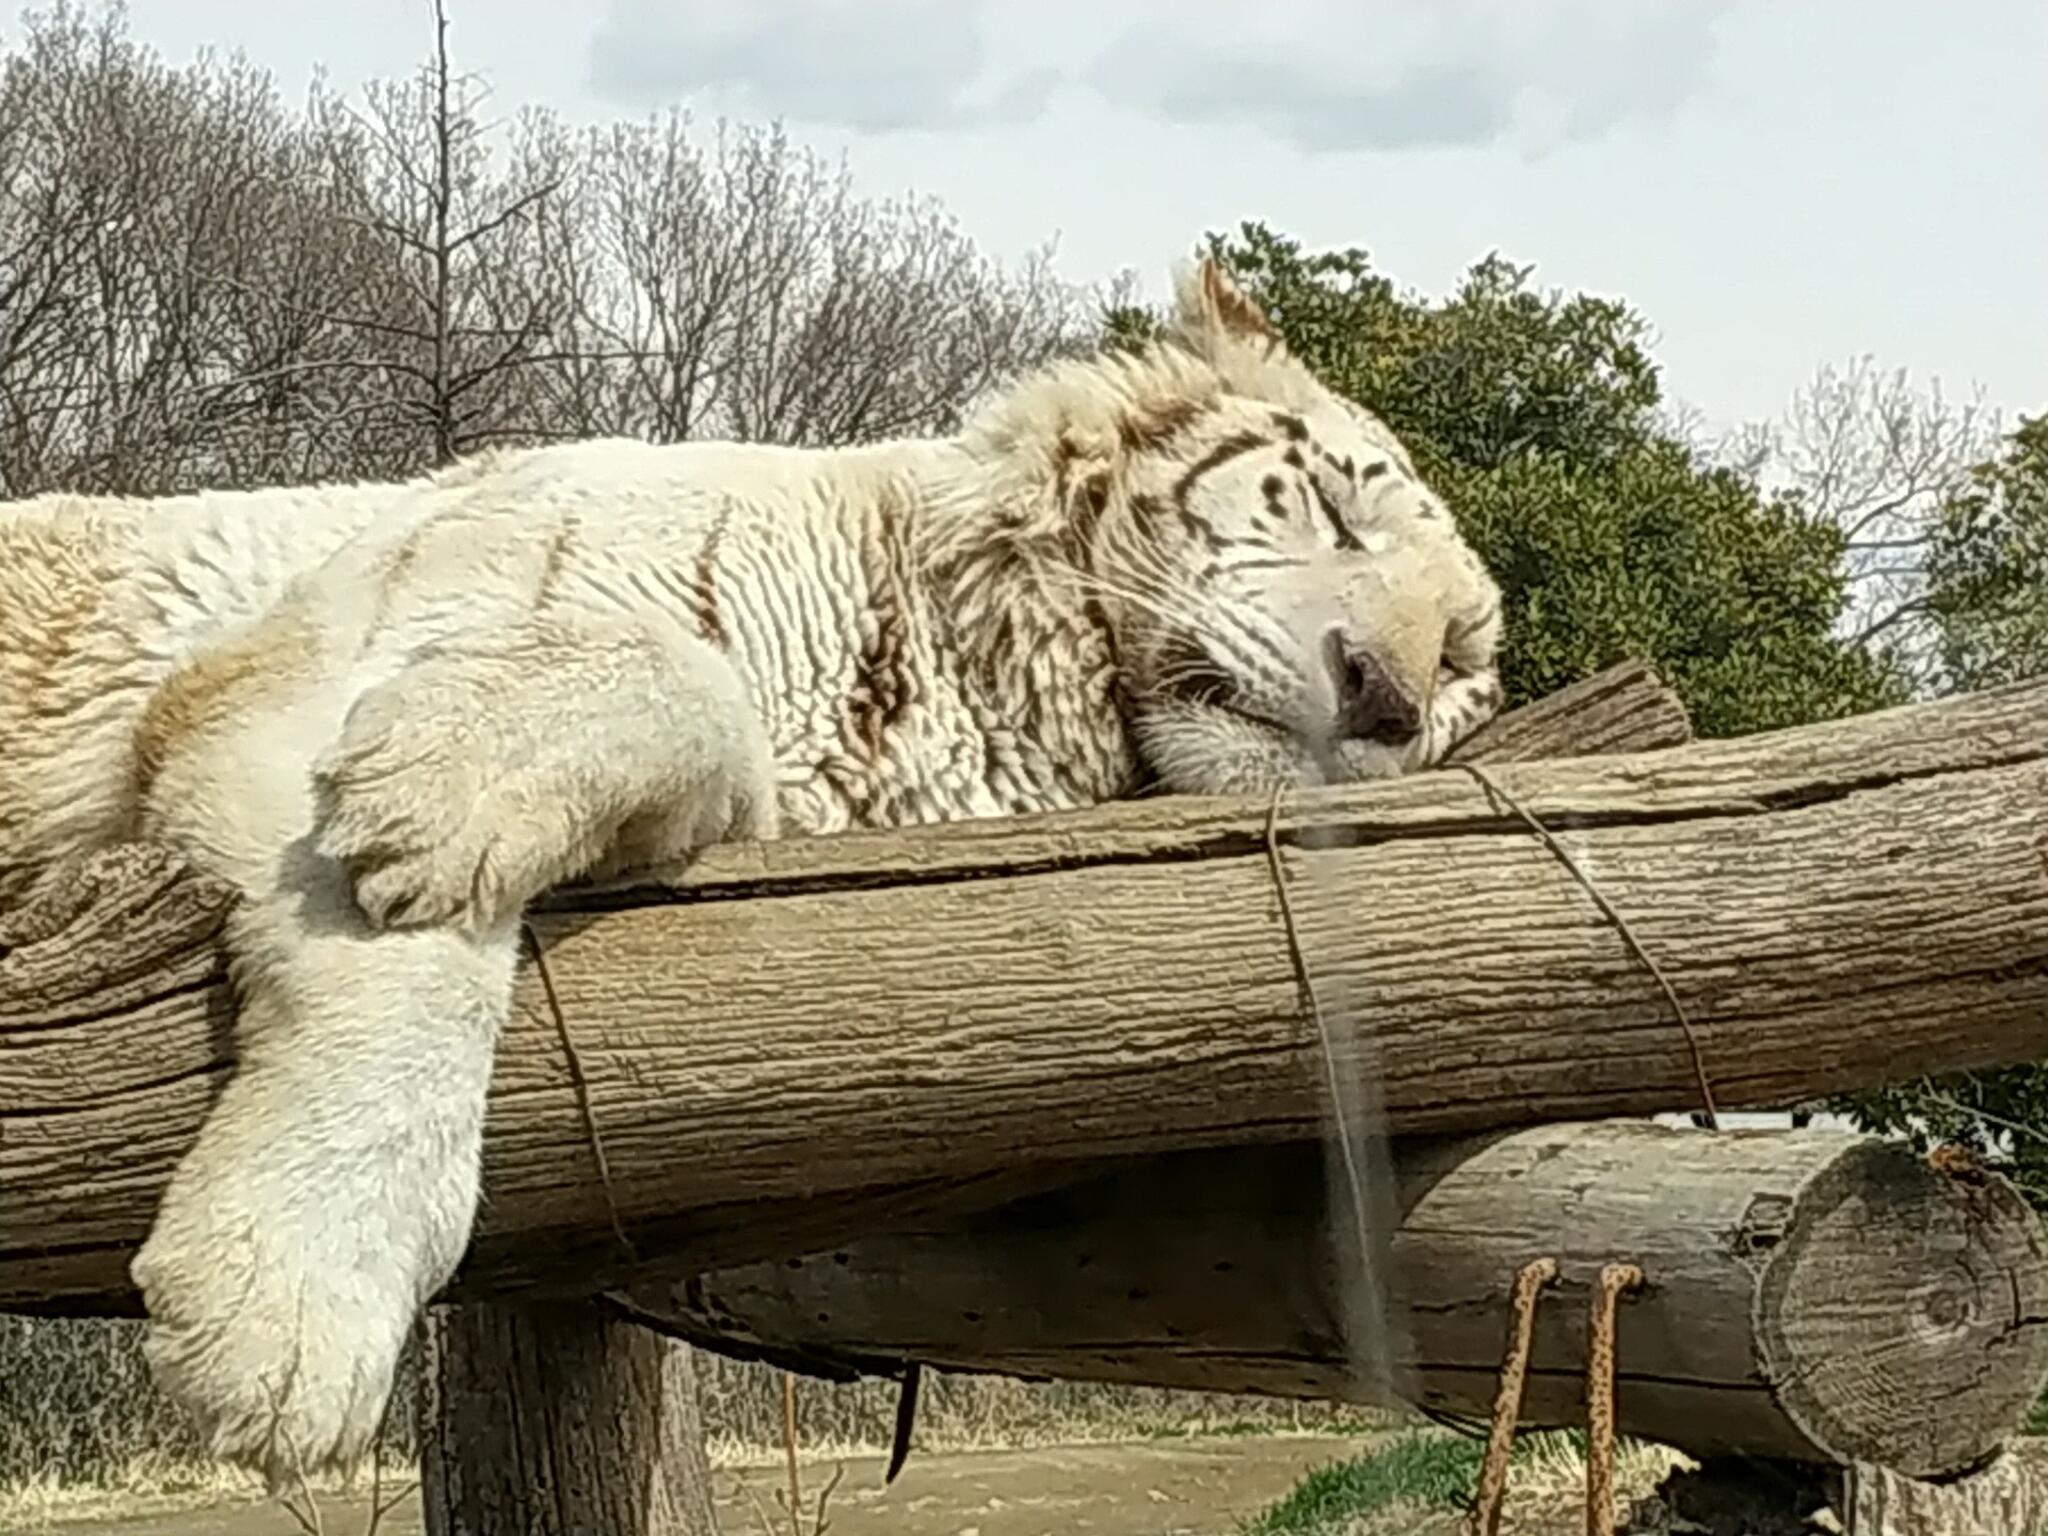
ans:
(559, 1420)
(2007, 1498)
(1808, 1293)
(797, 1031)
(1626, 708)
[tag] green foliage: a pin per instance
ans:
(1495, 371)
(1127, 327)
(1988, 567)
(1651, 554)
(1535, 415)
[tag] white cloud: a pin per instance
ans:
(875, 66)
(1322, 75)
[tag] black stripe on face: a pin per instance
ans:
(1463, 630)
(1274, 489)
(1187, 670)
(1346, 539)
(1230, 448)
(1260, 641)
(1264, 563)
(1198, 528)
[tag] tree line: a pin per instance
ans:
(201, 285)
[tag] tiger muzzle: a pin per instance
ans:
(1372, 704)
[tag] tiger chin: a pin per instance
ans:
(390, 715)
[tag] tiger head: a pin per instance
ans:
(1290, 602)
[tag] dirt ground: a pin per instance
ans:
(1151, 1488)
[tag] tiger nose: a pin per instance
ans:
(1371, 704)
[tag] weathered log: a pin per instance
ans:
(805, 1032)
(2007, 1498)
(1809, 1294)
(1626, 708)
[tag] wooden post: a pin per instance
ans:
(558, 1420)
(2007, 1498)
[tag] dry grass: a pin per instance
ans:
(1548, 1492)
(83, 1429)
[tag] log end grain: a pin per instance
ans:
(111, 930)
(1902, 1313)
(1812, 1295)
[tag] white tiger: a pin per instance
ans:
(391, 715)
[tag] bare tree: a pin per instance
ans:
(1879, 458)
(742, 289)
(462, 309)
(156, 228)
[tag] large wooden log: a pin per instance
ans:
(1810, 1295)
(805, 1039)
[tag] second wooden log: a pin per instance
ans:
(1809, 1295)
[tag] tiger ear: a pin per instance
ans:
(1213, 306)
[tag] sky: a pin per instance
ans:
(1776, 184)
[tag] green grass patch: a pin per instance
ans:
(1434, 1470)
(1426, 1469)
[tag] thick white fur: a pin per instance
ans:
(391, 715)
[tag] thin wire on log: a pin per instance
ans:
(906, 1405)
(581, 1082)
(1305, 980)
(1614, 1280)
(1692, 1040)
(1507, 1402)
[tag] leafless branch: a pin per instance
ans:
(1878, 457)
(203, 285)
